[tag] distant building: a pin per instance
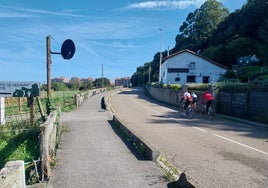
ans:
(125, 82)
(186, 66)
(60, 80)
(248, 60)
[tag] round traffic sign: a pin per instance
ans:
(67, 49)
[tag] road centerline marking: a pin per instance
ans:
(145, 106)
(203, 130)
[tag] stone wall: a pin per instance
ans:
(249, 104)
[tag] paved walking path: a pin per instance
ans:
(92, 155)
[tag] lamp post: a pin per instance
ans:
(160, 59)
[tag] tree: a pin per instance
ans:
(200, 25)
(58, 86)
(252, 17)
(263, 45)
(102, 82)
(243, 32)
(75, 83)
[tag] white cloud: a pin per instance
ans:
(165, 5)
(11, 12)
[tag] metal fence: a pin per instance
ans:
(18, 112)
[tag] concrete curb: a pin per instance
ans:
(152, 154)
(149, 152)
(248, 122)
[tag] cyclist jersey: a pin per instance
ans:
(207, 96)
(194, 96)
(187, 96)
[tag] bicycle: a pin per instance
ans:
(211, 110)
(187, 112)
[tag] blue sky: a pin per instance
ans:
(118, 34)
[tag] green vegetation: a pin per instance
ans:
(221, 36)
(191, 87)
(18, 139)
(65, 99)
(169, 169)
(76, 83)
(17, 144)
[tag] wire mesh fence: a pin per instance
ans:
(18, 112)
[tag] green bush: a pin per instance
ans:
(198, 87)
(175, 86)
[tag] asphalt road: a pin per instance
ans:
(93, 155)
(216, 153)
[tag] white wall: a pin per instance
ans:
(182, 60)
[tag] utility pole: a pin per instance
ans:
(48, 72)
(48, 66)
(102, 81)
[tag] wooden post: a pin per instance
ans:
(20, 107)
(41, 109)
(48, 73)
(31, 105)
(48, 65)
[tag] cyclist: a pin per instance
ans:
(188, 100)
(194, 96)
(207, 98)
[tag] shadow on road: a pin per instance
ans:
(249, 129)
(127, 141)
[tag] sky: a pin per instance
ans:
(112, 37)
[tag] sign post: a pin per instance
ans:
(67, 52)
(18, 89)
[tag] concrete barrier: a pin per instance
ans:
(149, 152)
(13, 175)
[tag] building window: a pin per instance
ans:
(177, 79)
(190, 79)
(205, 79)
(192, 65)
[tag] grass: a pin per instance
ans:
(63, 98)
(18, 139)
(19, 145)
(170, 170)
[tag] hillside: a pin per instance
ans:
(219, 35)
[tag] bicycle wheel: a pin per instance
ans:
(211, 113)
